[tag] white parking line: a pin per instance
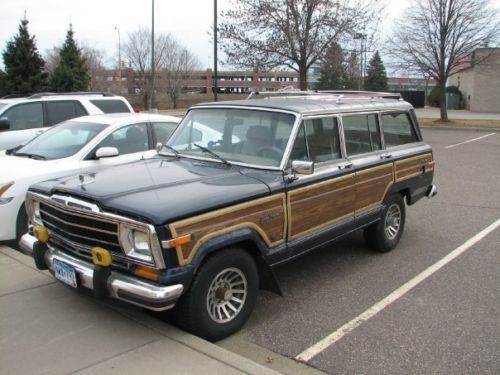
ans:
(317, 348)
(470, 140)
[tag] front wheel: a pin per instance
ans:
(222, 295)
(384, 235)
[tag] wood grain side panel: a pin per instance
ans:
(320, 205)
(412, 167)
(372, 185)
(266, 216)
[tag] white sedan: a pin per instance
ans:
(82, 145)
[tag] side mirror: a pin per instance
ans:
(159, 146)
(302, 167)
(106, 152)
(4, 123)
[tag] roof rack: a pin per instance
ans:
(43, 94)
(339, 95)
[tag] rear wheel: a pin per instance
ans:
(384, 235)
(222, 295)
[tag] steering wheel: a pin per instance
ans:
(271, 152)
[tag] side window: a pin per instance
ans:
(59, 111)
(317, 140)
(110, 106)
(25, 116)
(163, 130)
(129, 139)
(398, 129)
(361, 134)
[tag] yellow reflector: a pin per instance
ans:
(41, 233)
(174, 242)
(146, 273)
(101, 257)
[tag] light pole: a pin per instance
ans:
(152, 54)
(119, 61)
(215, 51)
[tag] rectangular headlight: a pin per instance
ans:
(136, 243)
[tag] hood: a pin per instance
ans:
(161, 190)
(15, 168)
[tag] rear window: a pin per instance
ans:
(111, 106)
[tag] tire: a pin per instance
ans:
(21, 223)
(208, 309)
(384, 235)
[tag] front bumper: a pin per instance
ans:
(123, 287)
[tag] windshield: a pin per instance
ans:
(254, 137)
(2, 105)
(61, 141)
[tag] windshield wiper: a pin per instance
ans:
(176, 153)
(31, 156)
(210, 152)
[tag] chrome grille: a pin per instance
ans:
(78, 233)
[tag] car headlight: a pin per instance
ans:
(136, 243)
(3, 189)
(33, 209)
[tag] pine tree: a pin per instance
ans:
(24, 67)
(71, 74)
(333, 74)
(376, 78)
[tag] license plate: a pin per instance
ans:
(65, 273)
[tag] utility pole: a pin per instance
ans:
(152, 54)
(215, 51)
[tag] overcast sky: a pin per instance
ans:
(94, 22)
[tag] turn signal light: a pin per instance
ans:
(178, 241)
(146, 273)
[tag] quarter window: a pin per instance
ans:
(398, 129)
(361, 134)
(110, 105)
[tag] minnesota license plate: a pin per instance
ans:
(65, 273)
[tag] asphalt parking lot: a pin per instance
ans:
(447, 324)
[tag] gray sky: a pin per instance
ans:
(94, 22)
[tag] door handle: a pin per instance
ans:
(345, 165)
(385, 156)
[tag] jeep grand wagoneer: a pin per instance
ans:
(202, 225)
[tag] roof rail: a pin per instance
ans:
(43, 94)
(338, 94)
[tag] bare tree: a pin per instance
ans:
(179, 66)
(137, 50)
(291, 33)
(438, 36)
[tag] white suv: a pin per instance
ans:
(21, 119)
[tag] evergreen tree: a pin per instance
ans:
(376, 78)
(333, 73)
(24, 67)
(72, 73)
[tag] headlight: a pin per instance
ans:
(136, 243)
(33, 209)
(3, 189)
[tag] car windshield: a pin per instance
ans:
(254, 137)
(2, 105)
(61, 141)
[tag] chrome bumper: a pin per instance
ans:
(123, 287)
(432, 191)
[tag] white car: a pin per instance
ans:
(81, 145)
(22, 119)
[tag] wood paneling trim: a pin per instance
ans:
(372, 186)
(412, 167)
(266, 216)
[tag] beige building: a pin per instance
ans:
(479, 82)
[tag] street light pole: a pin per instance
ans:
(152, 54)
(119, 61)
(215, 51)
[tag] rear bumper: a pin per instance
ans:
(123, 287)
(431, 191)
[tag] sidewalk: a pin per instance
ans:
(455, 114)
(49, 328)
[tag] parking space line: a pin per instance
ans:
(469, 141)
(320, 346)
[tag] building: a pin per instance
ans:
(410, 84)
(479, 80)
